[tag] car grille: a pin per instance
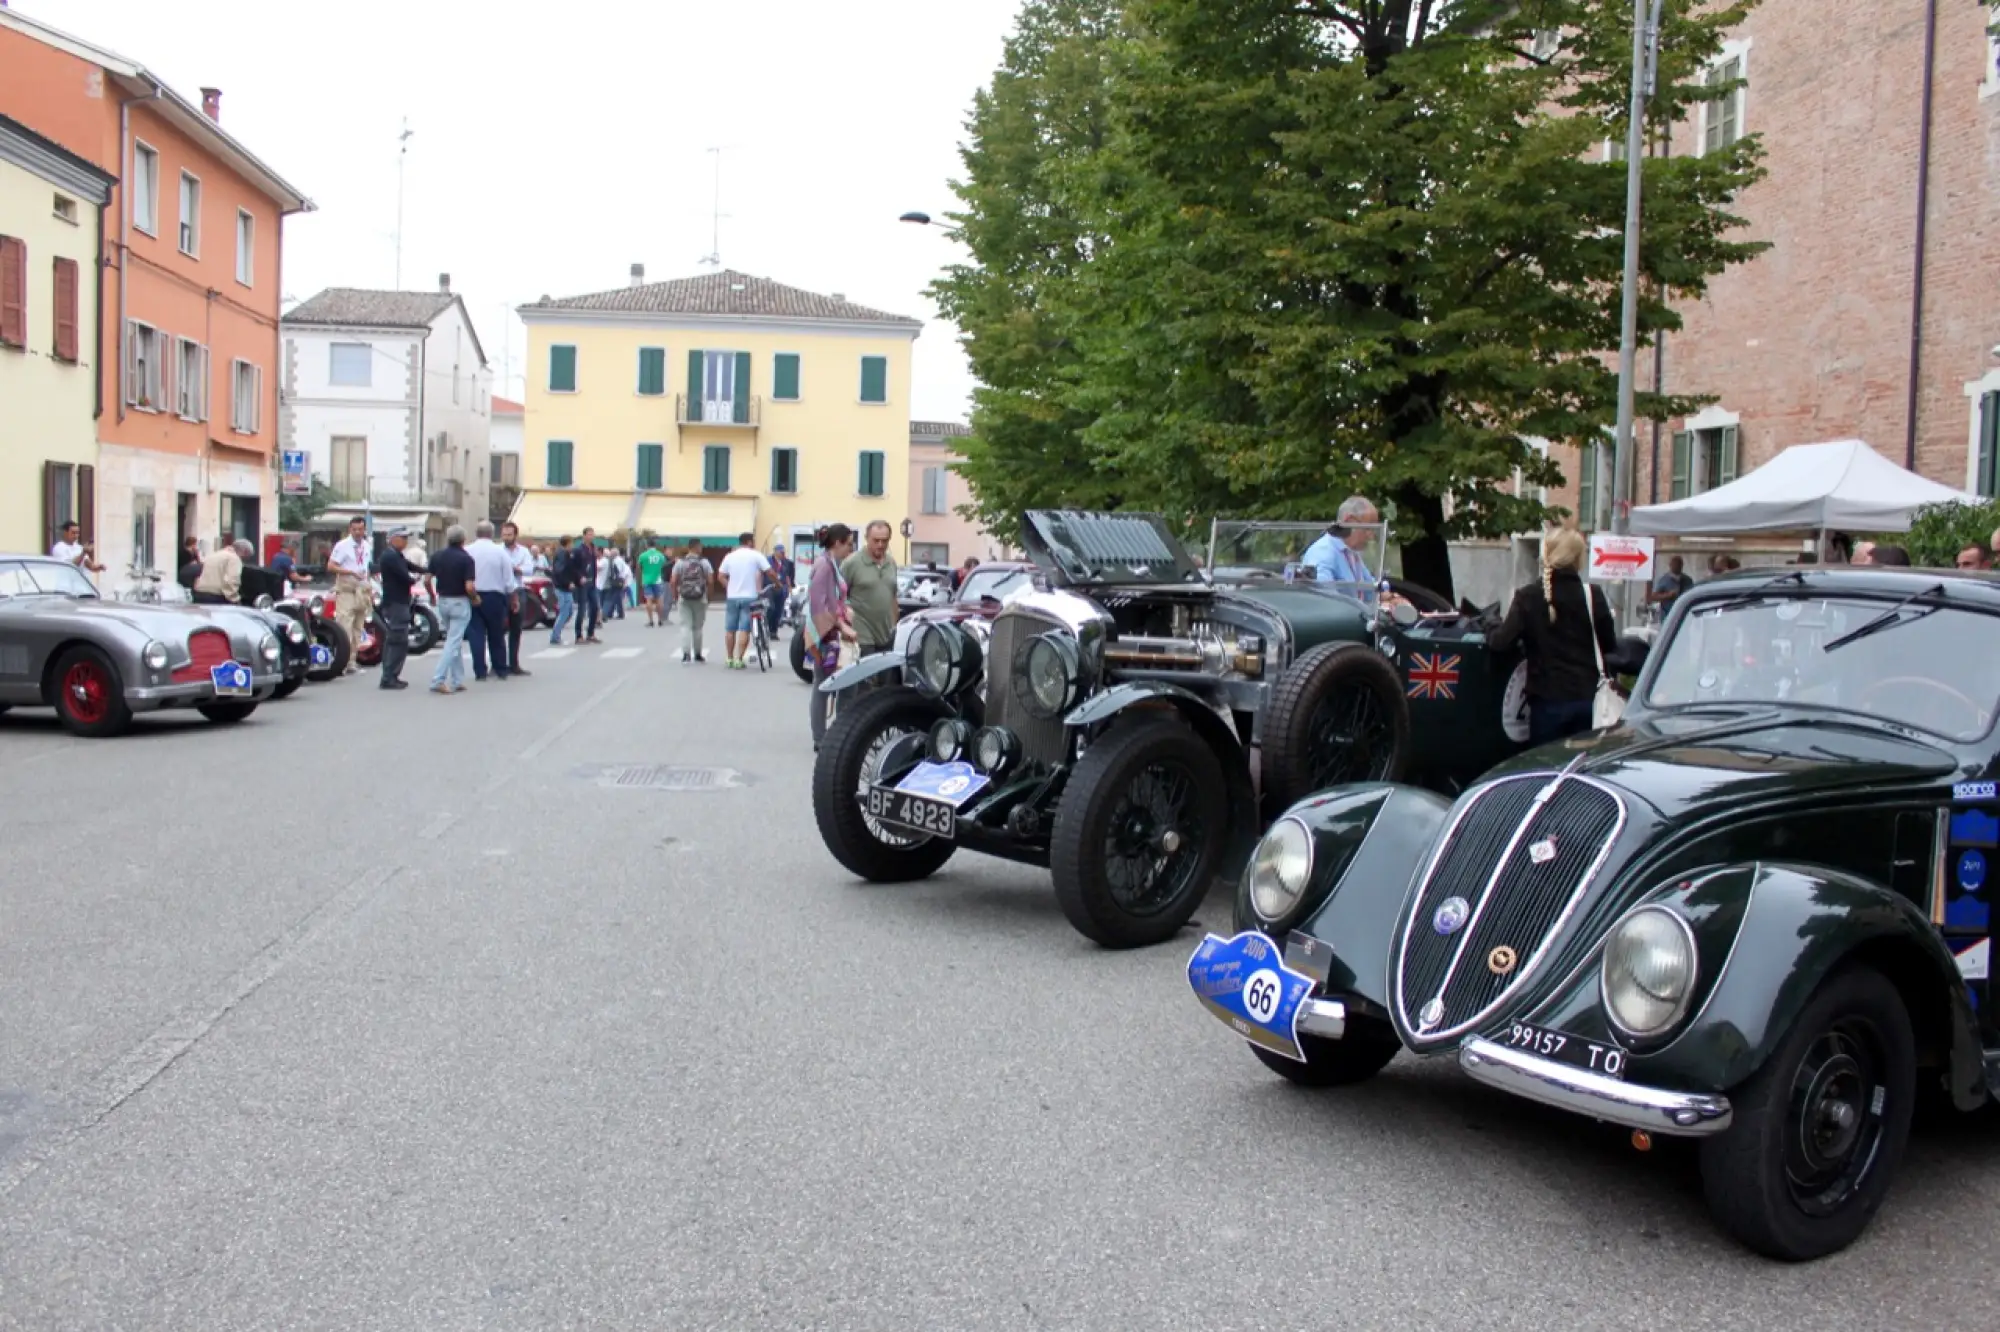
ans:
(1488, 859)
(1043, 739)
(207, 648)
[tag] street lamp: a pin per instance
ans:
(1645, 69)
(925, 220)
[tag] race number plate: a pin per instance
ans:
(1245, 983)
(1563, 1048)
(322, 655)
(231, 679)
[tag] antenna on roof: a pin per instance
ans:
(713, 258)
(402, 154)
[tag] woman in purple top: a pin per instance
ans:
(826, 620)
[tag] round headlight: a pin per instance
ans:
(318, 605)
(948, 738)
(995, 749)
(1649, 971)
(263, 601)
(294, 631)
(943, 657)
(1051, 675)
(1281, 869)
(155, 656)
(269, 648)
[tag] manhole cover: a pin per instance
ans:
(660, 777)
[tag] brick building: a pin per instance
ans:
(1813, 339)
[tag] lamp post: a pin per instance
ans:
(925, 220)
(1645, 69)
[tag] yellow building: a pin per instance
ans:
(51, 231)
(712, 406)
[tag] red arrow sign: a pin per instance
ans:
(1627, 558)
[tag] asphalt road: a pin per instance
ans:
(395, 1011)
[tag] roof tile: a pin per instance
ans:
(723, 293)
(373, 309)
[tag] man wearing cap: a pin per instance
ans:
(397, 578)
(349, 562)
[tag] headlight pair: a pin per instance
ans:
(1649, 970)
(1051, 675)
(944, 657)
(1281, 869)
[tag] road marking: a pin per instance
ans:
(511, 772)
(621, 654)
(134, 1071)
(551, 654)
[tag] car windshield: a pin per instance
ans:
(998, 584)
(1924, 662)
(39, 578)
(1252, 548)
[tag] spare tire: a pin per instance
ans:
(1338, 715)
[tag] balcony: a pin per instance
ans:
(442, 494)
(743, 413)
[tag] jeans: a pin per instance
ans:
(489, 635)
(614, 603)
(395, 639)
(1556, 719)
(565, 607)
(774, 609)
(455, 614)
(589, 611)
(736, 615)
(694, 617)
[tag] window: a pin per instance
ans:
(929, 552)
(715, 469)
(65, 209)
(246, 246)
(1703, 460)
(719, 386)
(190, 380)
(58, 498)
(934, 489)
(652, 371)
(1722, 120)
(347, 465)
(1992, 82)
(871, 472)
(246, 398)
(1589, 464)
(190, 214)
(875, 380)
(145, 366)
(1614, 150)
(350, 364)
(456, 371)
(785, 377)
(562, 368)
(562, 458)
(242, 517)
(13, 292)
(143, 529)
(784, 471)
(66, 294)
(1986, 474)
(145, 189)
(1547, 42)
(652, 466)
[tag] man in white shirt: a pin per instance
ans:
(494, 584)
(522, 557)
(70, 549)
(352, 598)
(743, 571)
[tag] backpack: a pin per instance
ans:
(691, 578)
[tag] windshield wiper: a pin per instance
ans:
(1757, 593)
(1888, 617)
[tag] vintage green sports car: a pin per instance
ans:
(1756, 913)
(1134, 725)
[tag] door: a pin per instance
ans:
(186, 522)
(718, 386)
(241, 518)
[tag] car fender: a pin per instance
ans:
(861, 672)
(1121, 699)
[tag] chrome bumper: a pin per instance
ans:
(143, 697)
(1627, 1104)
(1325, 1018)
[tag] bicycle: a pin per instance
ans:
(758, 638)
(142, 585)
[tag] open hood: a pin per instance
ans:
(1081, 548)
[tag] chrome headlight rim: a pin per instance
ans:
(268, 649)
(943, 658)
(1632, 1033)
(294, 631)
(1068, 658)
(948, 739)
(154, 655)
(264, 601)
(1284, 853)
(1005, 747)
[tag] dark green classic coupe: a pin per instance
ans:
(1755, 913)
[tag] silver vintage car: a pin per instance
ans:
(97, 662)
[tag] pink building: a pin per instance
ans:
(940, 536)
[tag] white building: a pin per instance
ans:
(389, 395)
(505, 476)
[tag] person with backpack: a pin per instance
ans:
(690, 580)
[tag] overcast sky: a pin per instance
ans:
(555, 145)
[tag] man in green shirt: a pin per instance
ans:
(871, 591)
(652, 568)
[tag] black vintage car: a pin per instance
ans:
(263, 591)
(1756, 913)
(1133, 725)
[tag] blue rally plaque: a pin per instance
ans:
(953, 783)
(322, 655)
(1245, 983)
(231, 679)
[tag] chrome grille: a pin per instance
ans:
(1488, 858)
(1042, 739)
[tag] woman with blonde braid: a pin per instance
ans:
(1562, 625)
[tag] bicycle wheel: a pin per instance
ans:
(763, 641)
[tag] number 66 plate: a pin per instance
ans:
(1245, 983)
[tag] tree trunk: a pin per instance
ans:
(1426, 560)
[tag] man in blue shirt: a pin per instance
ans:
(1336, 556)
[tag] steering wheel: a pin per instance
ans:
(1977, 713)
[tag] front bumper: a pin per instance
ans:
(1627, 1104)
(144, 698)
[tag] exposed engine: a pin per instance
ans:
(1159, 634)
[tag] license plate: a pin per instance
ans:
(231, 679)
(916, 813)
(1563, 1048)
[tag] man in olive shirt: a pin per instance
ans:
(871, 591)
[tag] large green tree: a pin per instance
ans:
(1318, 247)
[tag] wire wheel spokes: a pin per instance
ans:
(871, 774)
(1154, 839)
(1352, 738)
(87, 692)
(1835, 1123)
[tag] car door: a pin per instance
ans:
(21, 654)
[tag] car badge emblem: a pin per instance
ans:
(1432, 1013)
(1450, 915)
(1501, 960)
(1543, 852)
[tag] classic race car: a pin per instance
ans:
(1756, 913)
(1133, 725)
(97, 662)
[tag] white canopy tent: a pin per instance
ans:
(1839, 486)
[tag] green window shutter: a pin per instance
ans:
(742, 388)
(1683, 462)
(694, 389)
(874, 379)
(871, 472)
(715, 469)
(1727, 471)
(1986, 480)
(785, 377)
(562, 369)
(784, 471)
(1586, 487)
(652, 466)
(652, 371)
(561, 459)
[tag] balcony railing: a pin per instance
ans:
(745, 410)
(447, 493)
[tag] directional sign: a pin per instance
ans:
(1620, 558)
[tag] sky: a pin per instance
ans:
(554, 146)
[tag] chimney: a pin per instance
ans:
(638, 275)
(444, 283)
(211, 104)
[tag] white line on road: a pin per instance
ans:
(551, 654)
(511, 772)
(621, 654)
(437, 826)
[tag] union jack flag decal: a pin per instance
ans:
(1433, 676)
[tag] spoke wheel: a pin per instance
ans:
(88, 695)
(1154, 839)
(1353, 737)
(1339, 714)
(851, 757)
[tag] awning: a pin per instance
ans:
(1842, 484)
(558, 513)
(716, 519)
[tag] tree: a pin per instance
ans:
(1940, 531)
(1348, 246)
(295, 511)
